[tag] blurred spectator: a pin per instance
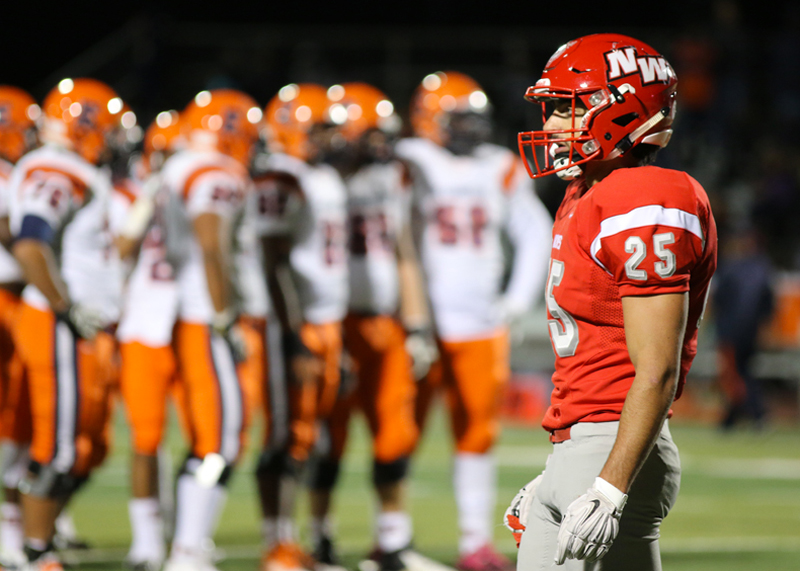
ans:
(743, 302)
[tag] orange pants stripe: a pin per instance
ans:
(217, 412)
(70, 399)
(384, 391)
(472, 375)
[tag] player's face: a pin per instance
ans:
(562, 120)
(561, 117)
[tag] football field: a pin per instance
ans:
(739, 506)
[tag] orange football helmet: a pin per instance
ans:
(290, 116)
(227, 120)
(81, 114)
(18, 115)
(441, 95)
(357, 107)
(163, 137)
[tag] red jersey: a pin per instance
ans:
(640, 231)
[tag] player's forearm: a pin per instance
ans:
(413, 300)
(39, 268)
(654, 330)
(126, 247)
(218, 286)
(646, 407)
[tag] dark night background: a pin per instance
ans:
(738, 65)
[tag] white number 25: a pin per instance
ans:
(638, 250)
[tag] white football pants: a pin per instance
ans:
(571, 470)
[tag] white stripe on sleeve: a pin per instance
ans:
(652, 215)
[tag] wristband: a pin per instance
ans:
(610, 491)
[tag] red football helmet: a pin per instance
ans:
(290, 116)
(442, 95)
(18, 115)
(81, 115)
(357, 107)
(227, 120)
(626, 86)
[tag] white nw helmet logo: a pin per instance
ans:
(625, 62)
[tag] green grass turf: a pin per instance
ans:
(739, 506)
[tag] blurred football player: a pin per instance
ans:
(634, 248)
(18, 115)
(468, 193)
(302, 218)
(207, 185)
(103, 260)
(60, 218)
(148, 368)
(387, 300)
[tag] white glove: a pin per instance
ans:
(591, 523)
(510, 309)
(422, 350)
(517, 513)
(141, 211)
(84, 321)
(224, 325)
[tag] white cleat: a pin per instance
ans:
(186, 562)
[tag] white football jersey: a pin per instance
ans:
(197, 183)
(316, 221)
(466, 202)
(74, 198)
(150, 305)
(378, 201)
(9, 269)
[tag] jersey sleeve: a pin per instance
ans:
(530, 228)
(279, 202)
(648, 234)
(215, 191)
(48, 195)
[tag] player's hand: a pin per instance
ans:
(517, 513)
(421, 347)
(225, 325)
(84, 321)
(591, 523)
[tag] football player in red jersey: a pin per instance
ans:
(634, 249)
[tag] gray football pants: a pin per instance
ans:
(570, 471)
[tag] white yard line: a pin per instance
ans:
(717, 467)
(743, 468)
(730, 544)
